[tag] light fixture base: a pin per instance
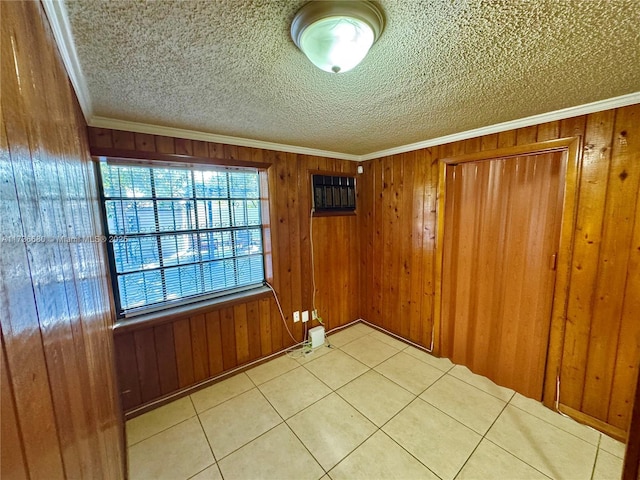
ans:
(336, 35)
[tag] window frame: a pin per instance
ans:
(187, 163)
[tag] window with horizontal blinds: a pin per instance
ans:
(181, 234)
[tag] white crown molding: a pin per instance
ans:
(104, 122)
(61, 28)
(608, 104)
(62, 33)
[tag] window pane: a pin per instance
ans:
(139, 289)
(126, 182)
(211, 184)
(188, 232)
(183, 281)
(175, 215)
(213, 214)
(136, 253)
(172, 183)
(253, 212)
(179, 249)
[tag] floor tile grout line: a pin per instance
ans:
(427, 363)
(213, 454)
(248, 442)
(272, 378)
(161, 431)
(360, 336)
(484, 437)
(355, 358)
(595, 460)
(325, 472)
(312, 373)
(475, 386)
(355, 448)
(225, 401)
(401, 386)
(205, 468)
(299, 411)
(556, 426)
(409, 453)
(370, 419)
(383, 376)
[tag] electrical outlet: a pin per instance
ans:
(296, 316)
(314, 314)
(305, 316)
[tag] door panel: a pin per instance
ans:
(502, 226)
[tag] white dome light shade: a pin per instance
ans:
(337, 35)
(336, 44)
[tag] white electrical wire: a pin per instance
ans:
(313, 266)
(284, 320)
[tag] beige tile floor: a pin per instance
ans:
(370, 407)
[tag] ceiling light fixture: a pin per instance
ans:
(336, 35)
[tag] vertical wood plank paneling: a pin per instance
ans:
(12, 460)
(166, 358)
(489, 142)
(265, 327)
(587, 239)
(165, 145)
(200, 148)
(184, 355)
(385, 234)
(405, 218)
(228, 336)
(199, 348)
(214, 342)
(631, 468)
(147, 363)
(127, 368)
(145, 142)
(100, 137)
(626, 366)
(526, 135)
(548, 131)
(183, 146)
(253, 327)
(507, 139)
(512, 241)
(241, 332)
(123, 140)
(624, 178)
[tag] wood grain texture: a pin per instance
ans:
(397, 238)
(61, 415)
(631, 469)
(599, 358)
(498, 284)
(217, 339)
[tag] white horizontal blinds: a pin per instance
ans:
(179, 233)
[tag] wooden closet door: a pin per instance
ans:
(502, 227)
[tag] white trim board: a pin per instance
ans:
(138, 127)
(114, 124)
(62, 33)
(57, 15)
(599, 106)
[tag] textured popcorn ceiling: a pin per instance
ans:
(440, 67)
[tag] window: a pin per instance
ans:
(180, 234)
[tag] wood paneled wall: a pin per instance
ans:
(602, 335)
(397, 235)
(61, 416)
(159, 360)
